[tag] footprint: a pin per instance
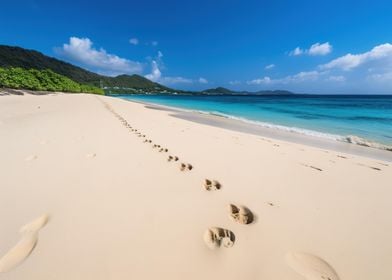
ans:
(163, 150)
(311, 166)
(211, 185)
(35, 225)
(32, 157)
(215, 237)
(186, 166)
(25, 246)
(371, 167)
(311, 267)
(172, 158)
(240, 214)
(19, 252)
(156, 146)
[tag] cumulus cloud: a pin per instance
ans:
(315, 49)
(261, 81)
(175, 80)
(156, 74)
(299, 77)
(381, 53)
(270, 66)
(384, 77)
(296, 51)
(203, 80)
(338, 78)
(134, 41)
(320, 49)
(236, 82)
(82, 52)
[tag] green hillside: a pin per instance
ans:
(218, 90)
(41, 80)
(29, 59)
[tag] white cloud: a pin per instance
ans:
(370, 71)
(350, 61)
(296, 51)
(339, 78)
(156, 74)
(320, 49)
(175, 80)
(134, 41)
(384, 77)
(154, 43)
(261, 81)
(203, 80)
(270, 66)
(299, 77)
(81, 51)
(236, 82)
(315, 49)
(304, 76)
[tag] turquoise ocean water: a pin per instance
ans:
(331, 116)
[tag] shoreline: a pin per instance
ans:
(270, 132)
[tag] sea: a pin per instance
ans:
(360, 119)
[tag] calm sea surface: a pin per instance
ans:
(331, 116)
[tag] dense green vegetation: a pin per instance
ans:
(30, 59)
(41, 80)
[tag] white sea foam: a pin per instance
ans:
(279, 127)
(352, 139)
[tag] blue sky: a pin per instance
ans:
(304, 46)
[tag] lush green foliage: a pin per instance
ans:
(45, 80)
(30, 59)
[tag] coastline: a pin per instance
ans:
(271, 132)
(116, 200)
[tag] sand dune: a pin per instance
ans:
(120, 209)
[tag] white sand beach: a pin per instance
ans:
(105, 204)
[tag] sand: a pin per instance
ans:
(226, 205)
